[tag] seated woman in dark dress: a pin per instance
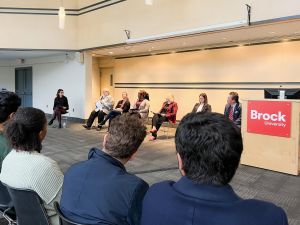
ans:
(123, 106)
(60, 106)
(166, 114)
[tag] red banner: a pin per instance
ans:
(269, 118)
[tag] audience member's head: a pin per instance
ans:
(233, 98)
(9, 103)
(203, 98)
(209, 148)
(105, 91)
(126, 134)
(27, 129)
(60, 93)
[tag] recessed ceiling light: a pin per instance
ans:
(149, 2)
(285, 39)
(110, 53)
(152, 47)
(240, 45)
(224, 38)
(132, 50)
(272, 32)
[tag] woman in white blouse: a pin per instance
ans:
(142, 105)
(203, 105)
(24, 167)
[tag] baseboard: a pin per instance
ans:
(70, 118)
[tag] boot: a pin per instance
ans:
(50, 122)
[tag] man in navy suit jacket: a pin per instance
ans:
(100, 190)
(233, 109)
(209, 148)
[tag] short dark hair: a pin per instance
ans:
(23, 130)
(234, 96)
(126, 134)
(9, 103)
(210, 147)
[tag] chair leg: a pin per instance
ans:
(168, 129)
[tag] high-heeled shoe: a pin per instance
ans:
(153, 131)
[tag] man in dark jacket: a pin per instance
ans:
(233, 109)
(208, 149)
(100, 190)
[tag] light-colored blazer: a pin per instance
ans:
(105, 104)
(144, 109)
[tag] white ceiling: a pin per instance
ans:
(236, 36)
(13, 55)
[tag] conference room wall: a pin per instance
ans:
(247, 70)
(38, 4)
(50, 74)
(106, 26)
(37, 32)
(84, 3)
(7, 77)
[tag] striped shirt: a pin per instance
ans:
(34, 171)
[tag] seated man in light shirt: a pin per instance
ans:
(103, 107)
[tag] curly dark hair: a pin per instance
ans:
(143, 95)
(126, 134)
(23, 130)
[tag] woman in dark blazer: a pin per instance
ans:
(203, 105)
(60, 106)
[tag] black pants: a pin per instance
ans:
(157, 120)
(94, 114)
(57, 114)
(110, 116)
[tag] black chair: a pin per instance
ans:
(62, 219)
(29, 207)
(6, 206)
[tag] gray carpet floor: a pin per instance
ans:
(156, 161)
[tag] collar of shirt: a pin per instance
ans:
(233, 106)
(98, 153)
(208, 192)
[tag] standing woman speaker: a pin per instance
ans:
(60, 107)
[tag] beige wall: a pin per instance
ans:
(38, 3)
(106, 26)
(37, 32)
(163, 16)
(262, 63)
(84, 3)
